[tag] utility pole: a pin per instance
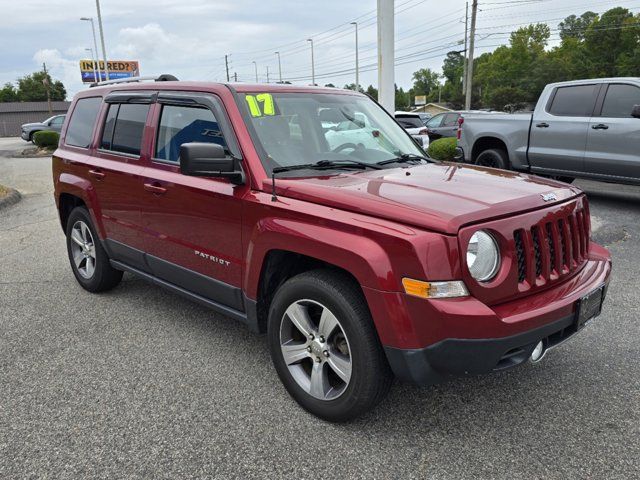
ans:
(95, 47)
(464, 58)
(104, 50)
(47, 86)
(355, 24)
(279, 67)
(256, 67)
(386, 85)
(267, 73)
(472, 36)
(226, 65)
(95, 65)
(235, 77)
(313, 66)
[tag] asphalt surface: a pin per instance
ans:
(140, 383)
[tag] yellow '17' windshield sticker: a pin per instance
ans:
(255, 101)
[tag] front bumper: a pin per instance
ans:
(24, 135)
(460, 357)
(431, 340)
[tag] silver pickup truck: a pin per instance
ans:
(582, 128)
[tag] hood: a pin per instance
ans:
(439, 196)
(32, 125)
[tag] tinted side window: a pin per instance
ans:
(575, 101)
(180, 125)
(83, 119)
(110, 122)
(57, 121)
(128, 129)
(450, 120)
(620, 100)
(410, 122)
(435, 121)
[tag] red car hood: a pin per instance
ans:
(440, 197)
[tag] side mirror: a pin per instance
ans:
(209, 160)
(635, 111)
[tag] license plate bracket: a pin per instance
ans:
(589, 307)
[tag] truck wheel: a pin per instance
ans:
(325, 348)
(494, 158)
(89, 261)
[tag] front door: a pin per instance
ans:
(613, 144)
(192, 225)
(559, 130)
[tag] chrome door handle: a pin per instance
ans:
(542, 125)
(600, 126)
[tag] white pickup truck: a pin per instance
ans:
(582, 128)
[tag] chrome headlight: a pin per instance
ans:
(483, 256)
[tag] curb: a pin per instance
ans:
(11, 199)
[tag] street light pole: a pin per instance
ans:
(386, 90)
(279, 67)
(104, 50)
(256, 67)
(95, 65)
(355, 24)
(95, 46)
(267, 73)
(313, 66)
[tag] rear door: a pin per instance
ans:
(117, 172)
(192, 225)
(613, 145)
(558, 136)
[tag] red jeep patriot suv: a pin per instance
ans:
(310, 214)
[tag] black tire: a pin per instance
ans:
(104, 276)
(31, 137)
(371, 376)
(494, 158)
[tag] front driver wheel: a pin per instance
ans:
(324, 346)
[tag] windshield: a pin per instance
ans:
(304, 128)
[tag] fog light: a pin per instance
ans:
(538, 352)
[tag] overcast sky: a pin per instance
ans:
(189, 38)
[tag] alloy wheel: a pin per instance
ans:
(315, 349)
(83, 249)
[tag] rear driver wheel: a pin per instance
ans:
(89, 261)
(494, 158)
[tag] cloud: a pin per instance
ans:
(149, 41)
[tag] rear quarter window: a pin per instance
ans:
(82, 122)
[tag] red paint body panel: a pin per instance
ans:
(380, 226)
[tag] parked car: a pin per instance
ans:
(413, 124)
(358, 262)
(425, 117)
(52, 123)
(583, 128)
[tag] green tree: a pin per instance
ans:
(372, 92)
(8, 93)
(31, 88)
(331, 85)
(352, 86)
(402, 99)
(452, 71)
(425, 82)
(606, 39)
(575, 27)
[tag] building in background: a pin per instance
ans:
(15, 114)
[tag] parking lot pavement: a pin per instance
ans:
(139, 383)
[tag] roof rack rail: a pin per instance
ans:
(165, 77)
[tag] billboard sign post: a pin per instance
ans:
(117, 69)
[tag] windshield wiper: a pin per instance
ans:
(320, 165)
(326, 165)
(405, 158)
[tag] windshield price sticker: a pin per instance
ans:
(261, 104)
